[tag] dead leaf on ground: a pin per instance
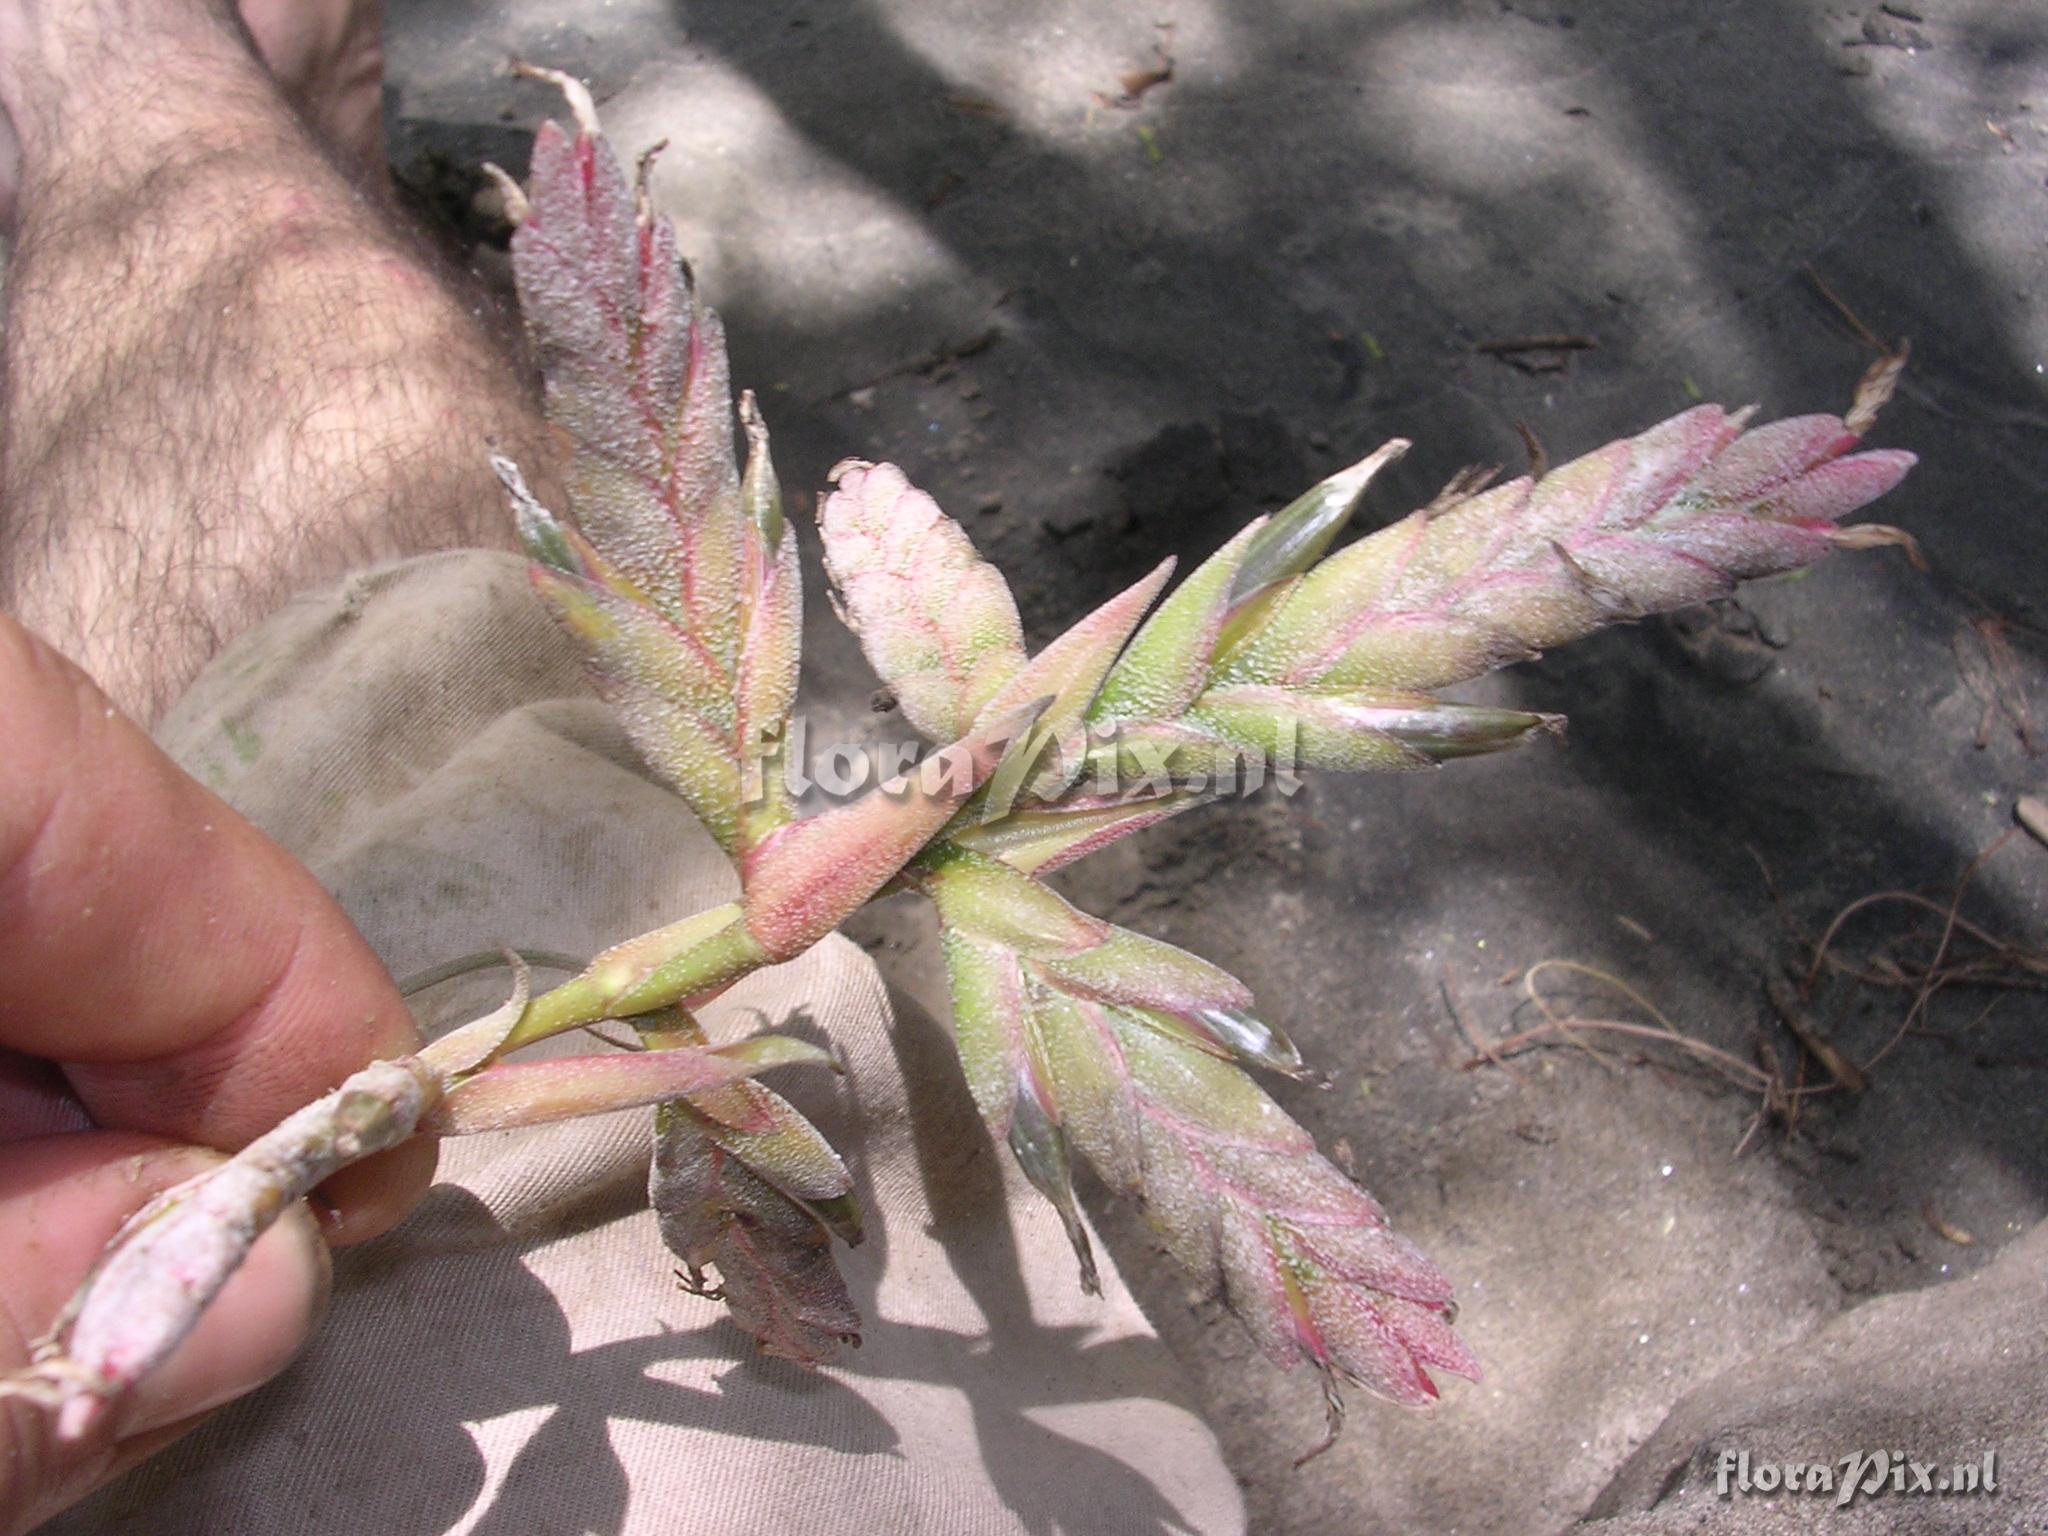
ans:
(1984, 660)
(1135, 83)
(2031, 812)
(1949, 1230)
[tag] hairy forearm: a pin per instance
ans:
(227, 376)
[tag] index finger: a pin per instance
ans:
(193, 979)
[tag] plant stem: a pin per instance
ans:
(125, 1320)
(685, 962)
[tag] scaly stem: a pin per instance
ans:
(160, 1273)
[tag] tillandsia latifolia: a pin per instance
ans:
(676, 571)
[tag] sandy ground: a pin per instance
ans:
(1101, 329)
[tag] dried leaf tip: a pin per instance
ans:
(1880, 536)
(1874, 390)
(574, 91)
(643, 177)
(510, 194)
(1040, 1146)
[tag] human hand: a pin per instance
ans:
(172, 983)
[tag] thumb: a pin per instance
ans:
(61, 1198)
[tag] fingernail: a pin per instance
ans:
(325, 1214)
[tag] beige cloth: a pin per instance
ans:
(516, 1358)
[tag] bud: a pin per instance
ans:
(1290, 543)
(936, 621)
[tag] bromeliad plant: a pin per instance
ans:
(1079, 1039)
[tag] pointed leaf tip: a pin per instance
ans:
(1070, 673)
(470, 1046)
(1296, 536)
(1252, 1039)
(1071, 669)
(511, 195)
(1880, 536)
(1040, 1147)
(541, 534)
(759, 488)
